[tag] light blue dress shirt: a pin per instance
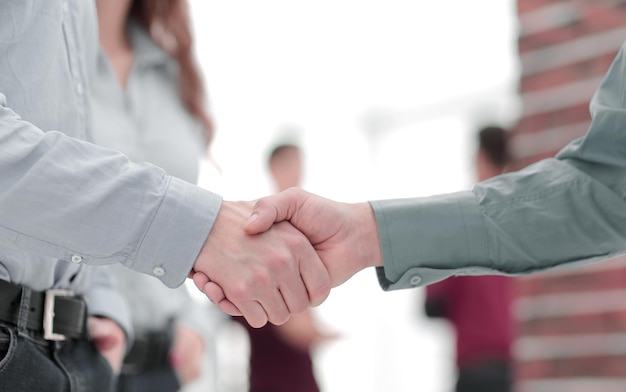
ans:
(560, 212)
(64, 202)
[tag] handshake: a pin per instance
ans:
(282, 254)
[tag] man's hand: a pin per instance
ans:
(263, 277)
(108, 338)
(345, 236)
(186, 354)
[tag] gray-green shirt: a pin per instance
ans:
(559, 212)
(64, 202)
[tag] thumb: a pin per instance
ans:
(215, 294)
(272, 209)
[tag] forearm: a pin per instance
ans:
(546, 216)
(556, 213)
(71, 200)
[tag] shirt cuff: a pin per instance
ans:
(425, 240)
(177, 232)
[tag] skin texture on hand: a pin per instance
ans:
(186, 354)
(108, 338)
(264, 277)
(345, 236)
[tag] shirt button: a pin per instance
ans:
(158, 271)
(415, 280)
(76, 259)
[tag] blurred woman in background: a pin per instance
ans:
(149, 103)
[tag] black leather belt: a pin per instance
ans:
(149, 351)
(58, 314)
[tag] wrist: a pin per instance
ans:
(368, 240)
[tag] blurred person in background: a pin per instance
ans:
(479, 307)
(149, 103)
(280, 355)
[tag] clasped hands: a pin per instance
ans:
(268, 259)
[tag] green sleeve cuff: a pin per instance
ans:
(425, 240)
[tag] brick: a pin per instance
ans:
(570, 115)
(548, 38)
(595, 18)
(608, 322)
(567, 74)
(605, 366)
(580, 59)
(601, 17)
(592, 280)
(524, 6)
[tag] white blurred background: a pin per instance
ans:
(388, 95)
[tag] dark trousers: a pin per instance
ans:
(485, 377)
(30, 363)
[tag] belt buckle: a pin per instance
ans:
(48, 313)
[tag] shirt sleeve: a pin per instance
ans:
(71, 200)
(560, 212)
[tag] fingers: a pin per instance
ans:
(105, 333)
(295, 297)
(200, 279)
(309, 283)
(275, 310)
(229, 308)
(275, 208)
(262, 218)
(260, 301)
(109, 339)
(215, 294)
(256, 315)
(186, 354)
(276, 307)
(316, 278)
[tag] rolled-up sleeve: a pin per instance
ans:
(557, 213)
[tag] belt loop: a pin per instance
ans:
(22, 318)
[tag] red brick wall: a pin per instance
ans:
(572, 324)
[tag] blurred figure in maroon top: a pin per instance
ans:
(479, 307)
(280, 356)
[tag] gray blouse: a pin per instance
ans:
(147, 122)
